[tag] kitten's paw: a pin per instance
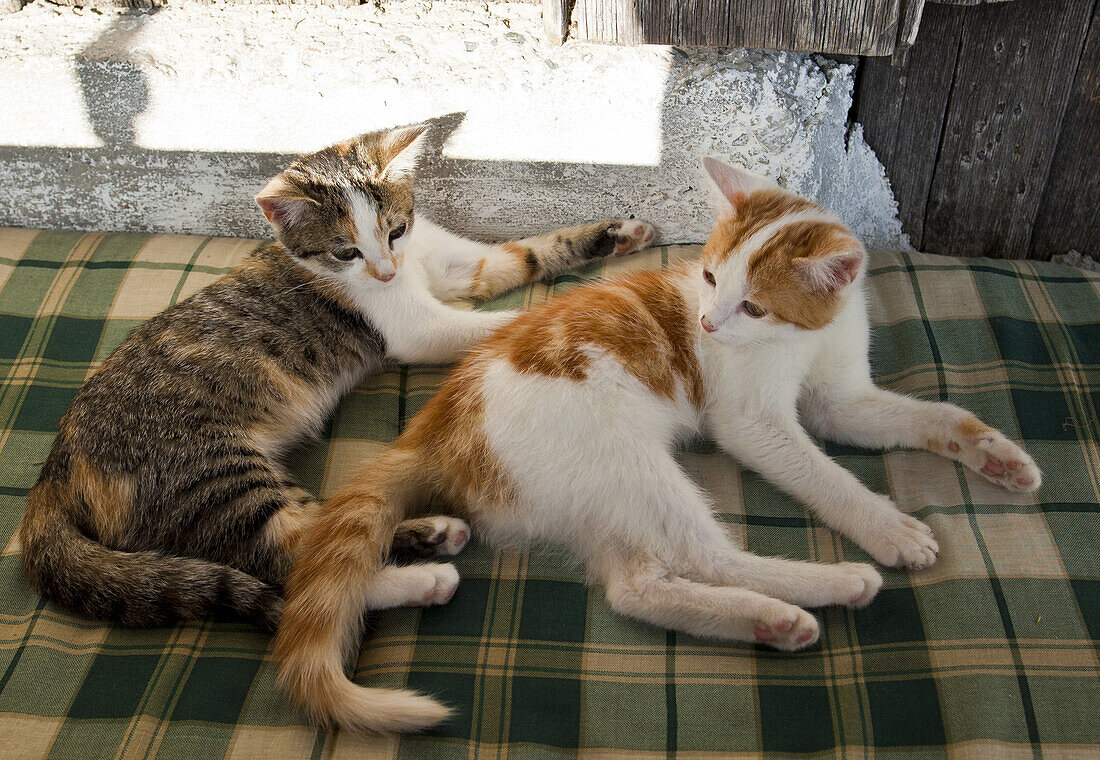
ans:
(432, 536)
(433, 584)
(997, 459)
(631, 236)
(862, 582)
(902, 541)
(786, 627)
(453, 534)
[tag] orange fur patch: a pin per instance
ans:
(522, 253)
(753, 214)
(496, 274)
(774, 279)
(108, 498)
(972, 427)
(641, 320)
(449, 433)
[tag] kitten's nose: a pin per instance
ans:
(706, 324)
(386, 276)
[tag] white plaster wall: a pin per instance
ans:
(171, 121)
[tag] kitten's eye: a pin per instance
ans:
(754, 311)
(397, 232)
(348, 254)
(709, 278)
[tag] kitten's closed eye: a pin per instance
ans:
(709, 278)
(348, 254)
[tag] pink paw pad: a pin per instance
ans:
(763, 632)
(805, 636)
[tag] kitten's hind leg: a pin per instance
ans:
(648, 591)
(697, 546)
(461, 268)
(426, 537)
(807, 584)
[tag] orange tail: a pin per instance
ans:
(325, 601)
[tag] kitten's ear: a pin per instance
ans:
(830, 273)
(731, 186)
(282, 203)
(401, 150)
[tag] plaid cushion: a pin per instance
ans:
(992, 652)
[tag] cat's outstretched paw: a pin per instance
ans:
(431, 537)
(996, 458)
(631, 235)
(431, 584)
(902, 541)
(862, 581)
(786, 627)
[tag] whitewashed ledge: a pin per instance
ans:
(170, 121)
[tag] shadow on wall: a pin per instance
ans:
(780, 114)
(124, 186)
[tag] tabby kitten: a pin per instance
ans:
(561, 427)
(163, 497)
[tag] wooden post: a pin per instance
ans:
(555, 19)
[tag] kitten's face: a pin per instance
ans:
(776, 264)
(346, 212)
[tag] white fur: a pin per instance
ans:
(369, 241)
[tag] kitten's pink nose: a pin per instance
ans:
(386, 277)
(706, 324)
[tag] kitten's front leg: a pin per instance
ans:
(461, 268)
(859, 413)
(441, 334)
(784, 454)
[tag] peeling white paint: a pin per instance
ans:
(171, 121)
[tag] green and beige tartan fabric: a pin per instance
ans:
(990, 653)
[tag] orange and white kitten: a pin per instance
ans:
(561, 428)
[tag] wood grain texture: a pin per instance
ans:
(1069, 214)
(162, 3)
(555, 19)
(970, 2)
(902, 110)
(858, 27)
(1010, 92)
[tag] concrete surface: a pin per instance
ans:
(170, 120)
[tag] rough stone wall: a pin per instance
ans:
(171, 120)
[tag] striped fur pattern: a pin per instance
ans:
(561, 427)
(165, 497)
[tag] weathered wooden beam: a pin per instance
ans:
(902, 109)
(1012, 84)
(855, 27)
(555, 19)
(1069, 214)
(910, 14)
